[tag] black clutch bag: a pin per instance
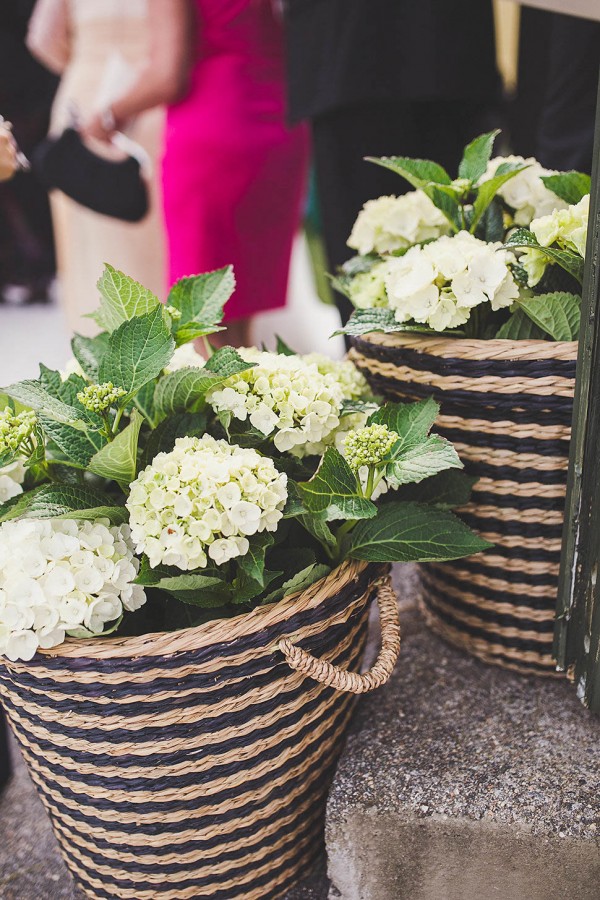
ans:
(111, 187)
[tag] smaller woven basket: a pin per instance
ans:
(197, 763)
(506, 406)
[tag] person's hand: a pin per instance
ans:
(99, 127)
(8, 153)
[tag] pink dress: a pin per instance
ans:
(233, 172)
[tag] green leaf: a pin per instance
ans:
(34, 396)
(411, 421)
(447, 490)
(569, 186)
(117, 515)
(252, 563)
(334, 489)
(246, 589)
(446, 200)
(144, 403)
(192, 330)
(477, 155)
(492, 223)
(77, 446)
(488, 189)
(299, 582)
(351, 407)
(364, 321)
(418, 172)
(558, 314)
(410, 532)
(226, 362)
(137, 352)
(432, 456)
(183, 389)
(117, 461)
(519, 327)
(51, 381)
(123, 298)
(197, 590)
(89, 353)
(316, 524)
(201, 298)
(283, 348)
(52, 500)
(570, 262)
(162, 438)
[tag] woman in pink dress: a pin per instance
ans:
(233, 172)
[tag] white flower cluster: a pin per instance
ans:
(185, 357)
(526, 193)
(11, 480)
(285, 396)
(564, 228)
(59, 577)
(353, 383)
(440, 283)
(204, 499)
(395, 223)
(367, 289)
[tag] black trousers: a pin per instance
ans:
(5, 767)
(436, 130)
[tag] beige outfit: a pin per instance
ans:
(107, 44)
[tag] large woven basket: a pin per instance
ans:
(197, 763)
(506, 406)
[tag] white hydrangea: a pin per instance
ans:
(352, 381)
(526, 193)
(11, 480)
(367, 289)
(395, 223)
(440, 283)
(204, 500)
(62, 577)
(283, 396)
(564, 228)
(185, 357)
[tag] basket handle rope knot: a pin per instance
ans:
(351, 682)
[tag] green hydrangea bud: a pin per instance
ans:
(174, 312)
(368, 446)
(97, 398)
(15, 429)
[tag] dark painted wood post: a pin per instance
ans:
(577, 634)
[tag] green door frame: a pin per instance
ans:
(577, 632)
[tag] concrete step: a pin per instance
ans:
(461, 781)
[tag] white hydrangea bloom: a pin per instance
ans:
(185, 357)
(203, 500)
(440, 283)
(11, 480)
(565, 228)
(58, 577)
(283, 396)
(526, 193)
(367, 289)
(395, 223)
(353, 383)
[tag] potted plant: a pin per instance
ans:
(468, 290)
(188, 550)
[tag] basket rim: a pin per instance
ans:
(167, 643)
(472, 348)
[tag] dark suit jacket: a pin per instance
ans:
(346, 51)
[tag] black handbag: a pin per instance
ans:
(112, 187)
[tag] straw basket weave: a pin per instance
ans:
(506, 406)
(197, 763)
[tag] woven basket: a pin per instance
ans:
(506, 406)
(197, 763)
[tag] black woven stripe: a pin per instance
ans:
(507, 441)
(518, 501)
(496, 595)
(481, 469)
(512, 527)
(477, 565)
(471, 368)
(544, 645)
(84, 873)
(89, 820)
(258, 641)
(489, 615)
(252, 672)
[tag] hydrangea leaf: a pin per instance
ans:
(412, 532)
(116, 515)
(519, 327)
(411, 421)
(557, 314)
(33, 395)
(123, 298)
(77, 446)
(183, 389)
(252, 563)
(334, 489)
(477, 155)
(283, 348)
(569, 186)
(162, 438)
(226, 362)
(89, 351)
(192, 330)
(137, 352)
(316, 524)
(52, 500)
(246, 588)
(570, 262)
(364, 321)
(444, 197)
(117, 460)
(299, 582)
(196, 589)
(447, 490)
(418, 172)
(488, 189)
(433, 455)
(201, 298)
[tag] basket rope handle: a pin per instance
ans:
(352, 682)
